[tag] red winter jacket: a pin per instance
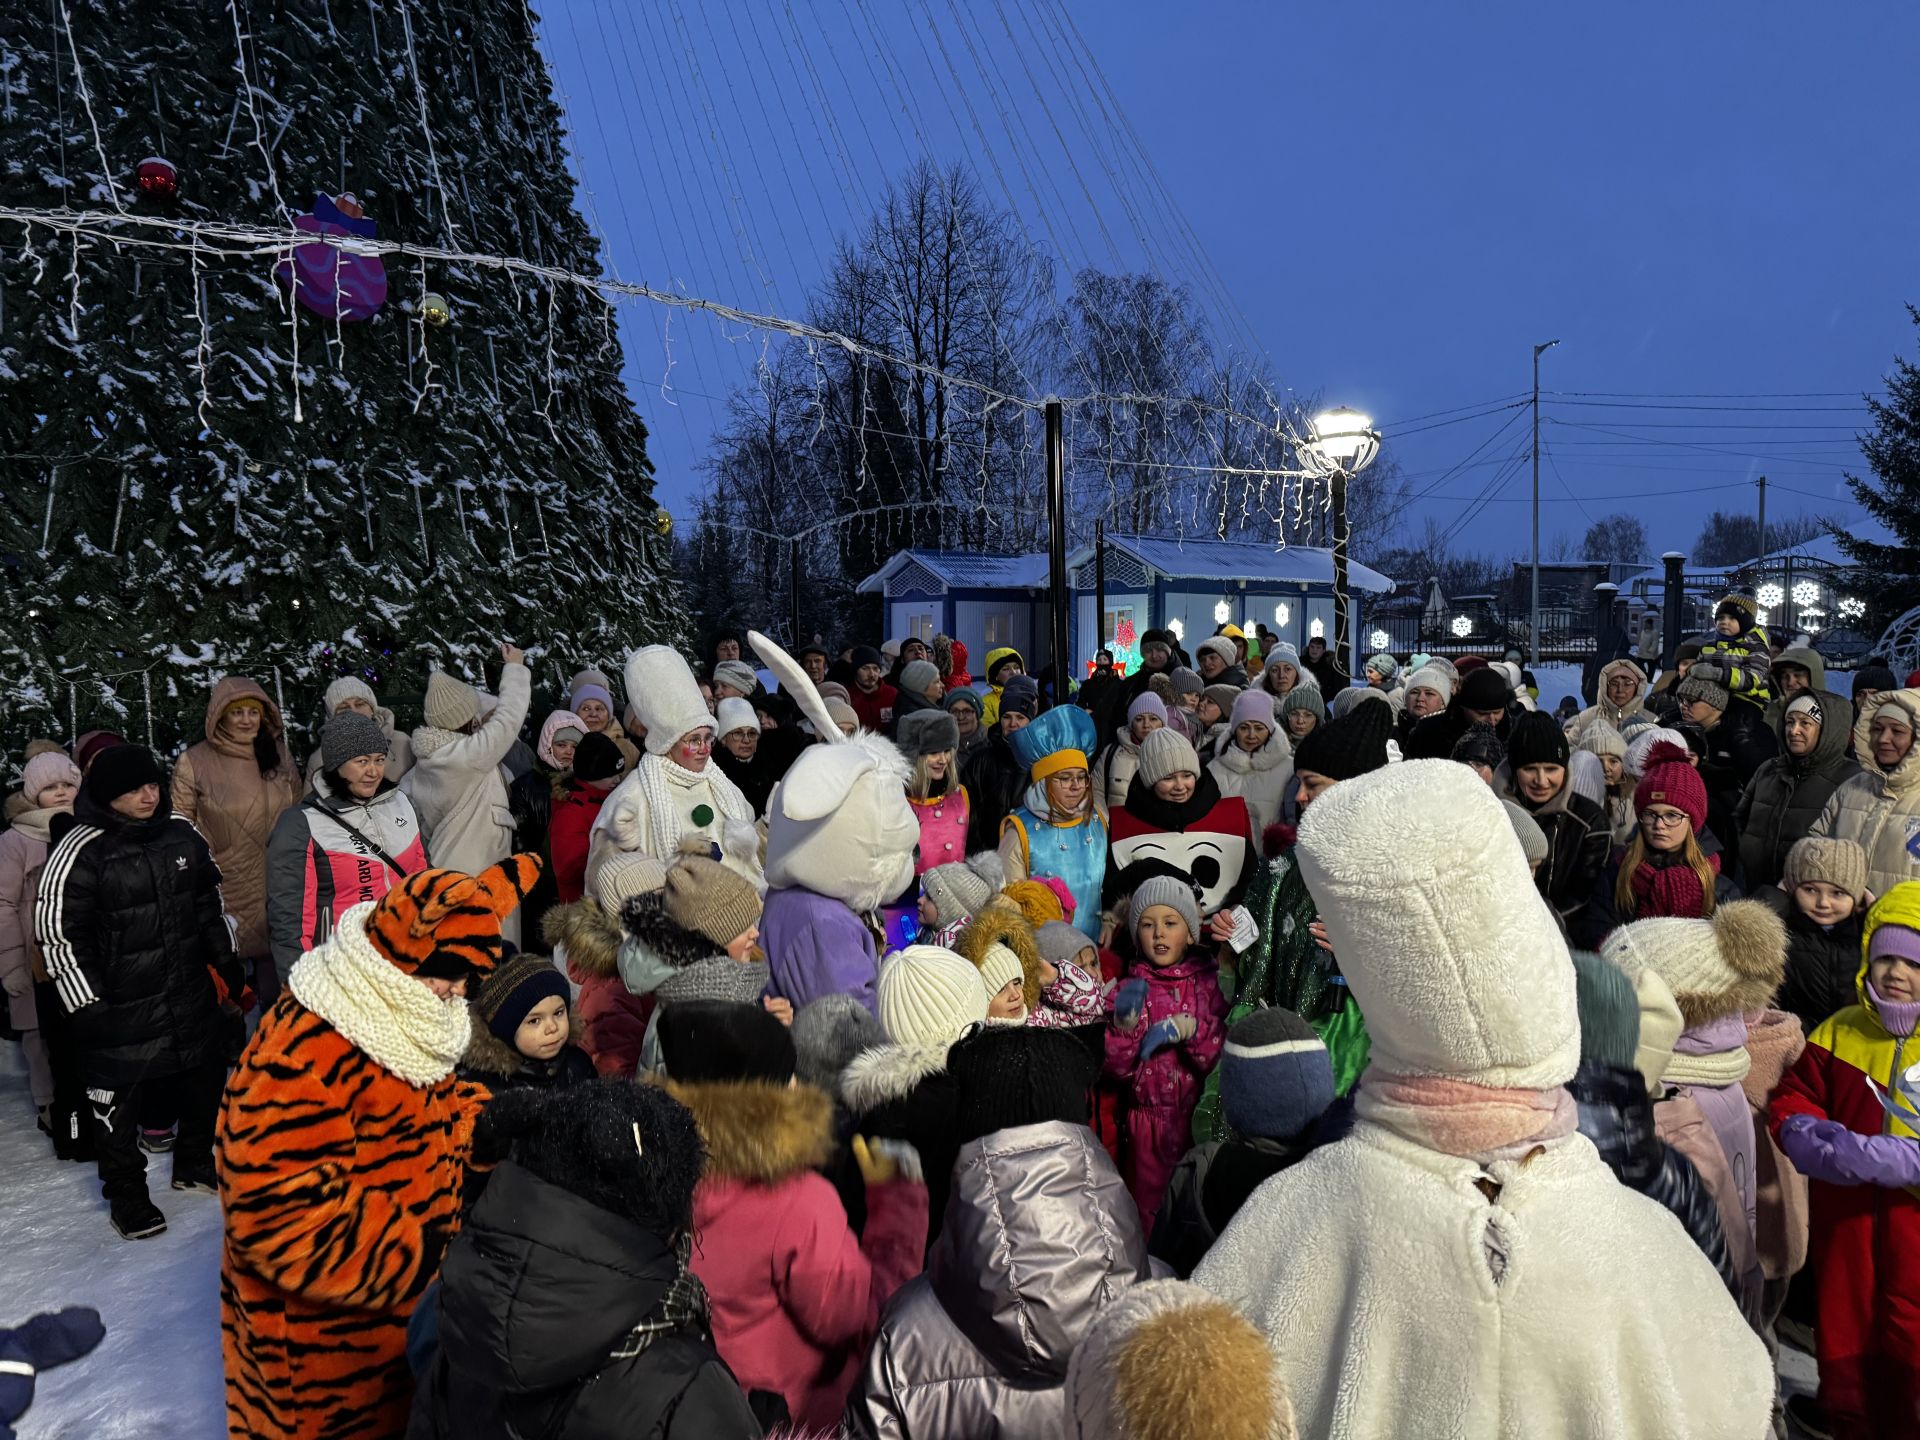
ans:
(569, 837)
(795, 1297)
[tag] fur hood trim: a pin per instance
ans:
(758, 1132)
(1001, 924)
(429, 740)
(646, 919)
(1753, 942)
(487, 1054)
(591, 937)
(887, 1073)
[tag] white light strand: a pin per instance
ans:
(86, 103)
(420, 92)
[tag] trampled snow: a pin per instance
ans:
(156, 1376)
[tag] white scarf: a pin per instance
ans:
(394, 1018)
(655, 773)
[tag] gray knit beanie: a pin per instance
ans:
(1166, 752)
(960, 890)
(348, 736)
(1533, 840)
(918, 677)
(1166, 890)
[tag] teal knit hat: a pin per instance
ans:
(1609, 1011)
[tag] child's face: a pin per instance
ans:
(1894, 978)
(741, 946)
(1613, 768)
(543, 1033)
(1162, 936)
(1089, 961)
(1177, 788)
(1144, 724)
(1727, 625)
(1009, 1003)
(1822, 903)
(929, 912)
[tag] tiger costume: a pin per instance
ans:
(343, 1140)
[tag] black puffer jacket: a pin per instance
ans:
(995, 782)
(1578, 841)
(1788, 792)
(1736, 749)
(903, 1092)
(548, 1321)
(1617, 1116)
(131, 923)
(1823, 966)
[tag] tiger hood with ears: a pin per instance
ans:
(839, 824)
(343, 1140)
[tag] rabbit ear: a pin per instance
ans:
(795, 683)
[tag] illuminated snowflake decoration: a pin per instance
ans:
(1770, 594)
(1765, 617)
(1462, 626)
(1379, 640)
(1221, 612)
(1317, 630)
(1281, 614)
(1806, 593)
(1852, 608)
(1179, 630)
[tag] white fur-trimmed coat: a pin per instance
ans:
(1401, 1300)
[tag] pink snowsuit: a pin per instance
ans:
(1162, 1091)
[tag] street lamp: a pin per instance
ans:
(1343, 442)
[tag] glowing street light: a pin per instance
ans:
(1343, 442)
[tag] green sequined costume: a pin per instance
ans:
(1285, 968)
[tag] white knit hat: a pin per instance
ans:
(1721, 966)
(1432, 677)
(1600, 738)
(998, 966)
(927, 995)
(347, 687)
(663, 691)
(735, 714)
(1454, 958)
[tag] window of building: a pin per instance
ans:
(999, 629)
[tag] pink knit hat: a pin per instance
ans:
(46, 769)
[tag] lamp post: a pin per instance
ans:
(1533, 608)
(1342, 444)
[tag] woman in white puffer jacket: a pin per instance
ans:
(1255, 760)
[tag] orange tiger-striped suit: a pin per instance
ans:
(340, 1175)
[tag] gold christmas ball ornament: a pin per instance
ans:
(663, 522)
(435, 310)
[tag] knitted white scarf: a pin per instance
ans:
(656, 773)
(394, 1018)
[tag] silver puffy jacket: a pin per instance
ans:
(1039, 1234)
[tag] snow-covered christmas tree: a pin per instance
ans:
(300, 463)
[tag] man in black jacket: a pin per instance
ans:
(1738, 744)
(996, 781)
(131, 921)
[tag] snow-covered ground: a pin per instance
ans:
(156, 1376)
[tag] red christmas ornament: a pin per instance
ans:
(157, 179)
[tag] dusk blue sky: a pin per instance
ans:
(1400, 198)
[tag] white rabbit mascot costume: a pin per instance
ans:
(661, 804)
(840, 842)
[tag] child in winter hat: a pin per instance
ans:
(1016, 1077)
(1864, 1162)
(1165, 1034)
(928, 996)
(1354, 744)
(1276, 1091)
(1164, 754)
(1822, 897)
(1642, 745)
(1533, 840)
(524, 1033)
(695, 939)
(1481, 750)
(952, 894)
(1070, 978)
(1000, 945)
(46, 772)
(1168, 1361)
(827, 1034)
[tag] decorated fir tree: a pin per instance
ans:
(1890, 574)
(299, 463)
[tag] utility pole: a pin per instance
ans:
(1760, 540)
(1533, 610)
(1057, 595)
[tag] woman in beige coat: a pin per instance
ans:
(233, 786)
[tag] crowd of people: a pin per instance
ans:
(839, 1042)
